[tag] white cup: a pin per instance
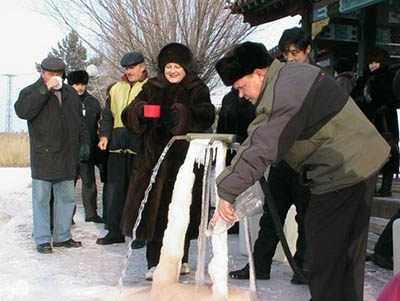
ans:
(60, 82)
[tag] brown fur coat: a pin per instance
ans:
(196, 114)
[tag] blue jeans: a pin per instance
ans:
(63, 207)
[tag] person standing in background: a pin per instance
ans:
(121, 143)
(91, 111)
(344, 74)
(58, 138)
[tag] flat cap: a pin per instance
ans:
(131, 59)
(52, 63)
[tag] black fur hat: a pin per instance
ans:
(176, 53)
(78, 77)
(242, 60)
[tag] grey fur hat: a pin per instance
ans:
(242, 60)
(176, 53)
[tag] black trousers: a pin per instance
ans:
(153, 252)
(337, 233)
(118, 176)
(89, 188)
(286, 190)
(384, 245)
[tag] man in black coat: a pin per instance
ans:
(86, 170)
(58, 138)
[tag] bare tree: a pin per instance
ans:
(113, 27)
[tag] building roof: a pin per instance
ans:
(257, 12)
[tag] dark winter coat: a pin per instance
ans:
(55, 131)
(190, 100)
(383, 110)
(234, 117)
(91, 111)
(396, 85)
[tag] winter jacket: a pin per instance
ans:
(119, 138)
(193, 112)
(91, 111)
(396, 85)
(305, 118)
(55, 131)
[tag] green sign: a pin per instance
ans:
(347, 6)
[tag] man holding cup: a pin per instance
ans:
(56, 131)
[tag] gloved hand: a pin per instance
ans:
(140, 115)
(84, 153)
(382, 110)
(170, 118)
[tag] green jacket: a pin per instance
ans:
(306, 119)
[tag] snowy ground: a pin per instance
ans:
(92, 272)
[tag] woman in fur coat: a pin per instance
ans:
(185, 107)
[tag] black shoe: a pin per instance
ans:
(138, 244)
(68, 244)
(245, 274)
(95, 219)
(296, 280)
(382, 261)
(44, 248)
(110, 239)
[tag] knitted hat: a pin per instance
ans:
(78, 77)
(176, 53)
(53, 64)
(132, 59)
(242, 60)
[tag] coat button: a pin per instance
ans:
(331, 177)
(47, 149)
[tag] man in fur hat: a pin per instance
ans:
(306, 119)
(91, 111)
(121, 144)
(56, 130)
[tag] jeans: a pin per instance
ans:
(63, 207)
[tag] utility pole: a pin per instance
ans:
(8, 125)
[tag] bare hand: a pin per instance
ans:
(225, 211)
(103, 143)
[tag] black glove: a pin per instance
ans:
(382, 110)
(170, 118)
(140, 115)
(84, 153)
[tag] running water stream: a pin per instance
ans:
(165, 280)
(141, 208)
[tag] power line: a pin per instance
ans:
(8, 125)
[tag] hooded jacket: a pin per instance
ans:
(305, 118)
(55, 130)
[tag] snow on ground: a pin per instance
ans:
(92, 272)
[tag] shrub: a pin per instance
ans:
(14, 149)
